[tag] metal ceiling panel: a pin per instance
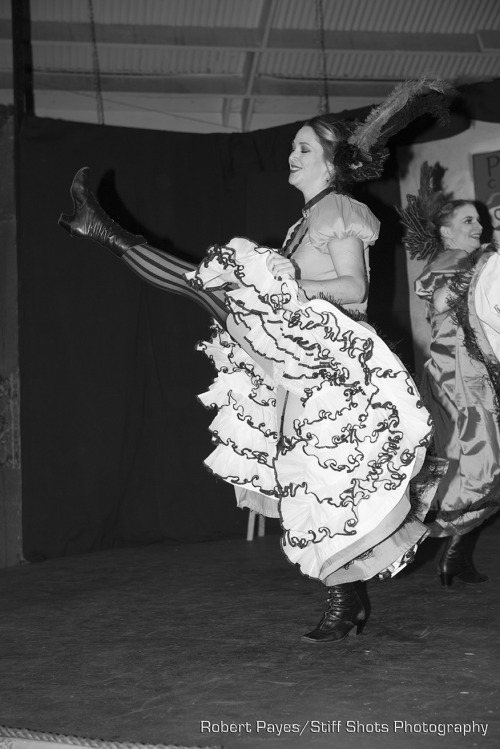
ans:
(390, 65)
(224, 13)
(251, 55)
(410, 16)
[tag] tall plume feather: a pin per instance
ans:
(395, 112)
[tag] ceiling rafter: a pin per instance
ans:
(252, 62)
(207, 86)
(250, 40)
(226, 110)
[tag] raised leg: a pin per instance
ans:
(157, 267)
(165, 271)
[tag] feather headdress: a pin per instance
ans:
(394, 114)
(409, 100)
(421, 238)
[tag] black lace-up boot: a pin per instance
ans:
(345, 613)
(91, 221)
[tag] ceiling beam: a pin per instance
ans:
(489, 40)
(253, 60)
(249, 40)
(208, 86)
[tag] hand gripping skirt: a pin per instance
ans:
(318, 423)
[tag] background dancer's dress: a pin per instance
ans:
(460, 384)
(461, 379)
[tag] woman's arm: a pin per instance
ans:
(351, 284)
(440, 299)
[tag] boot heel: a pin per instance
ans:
(358, 628)
(78, 193)
(64, 221)
(446, 579)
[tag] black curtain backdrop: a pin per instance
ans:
(113, 437)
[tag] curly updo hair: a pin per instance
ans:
(446, 212)
(444, 215)
(350, 165)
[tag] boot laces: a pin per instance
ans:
(340, 603)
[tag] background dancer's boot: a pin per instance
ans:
(457, 561)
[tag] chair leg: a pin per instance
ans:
(252, 514)
(251, 525)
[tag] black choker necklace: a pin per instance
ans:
(294, 240)
(316, 198)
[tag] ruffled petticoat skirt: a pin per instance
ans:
(318, 423)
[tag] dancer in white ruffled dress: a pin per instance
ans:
(318, 423)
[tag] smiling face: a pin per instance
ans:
(463, 230)
(309, 171)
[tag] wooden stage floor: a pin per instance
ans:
(199, 645)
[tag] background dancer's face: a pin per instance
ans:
(309, 171)
(462, 230)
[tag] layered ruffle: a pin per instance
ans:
(336, 463)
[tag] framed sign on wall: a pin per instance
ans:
(486, 169)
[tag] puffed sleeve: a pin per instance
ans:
(437, 274)
(338, 217)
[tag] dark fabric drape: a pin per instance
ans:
(113, 438)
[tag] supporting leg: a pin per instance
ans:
(345, 614)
